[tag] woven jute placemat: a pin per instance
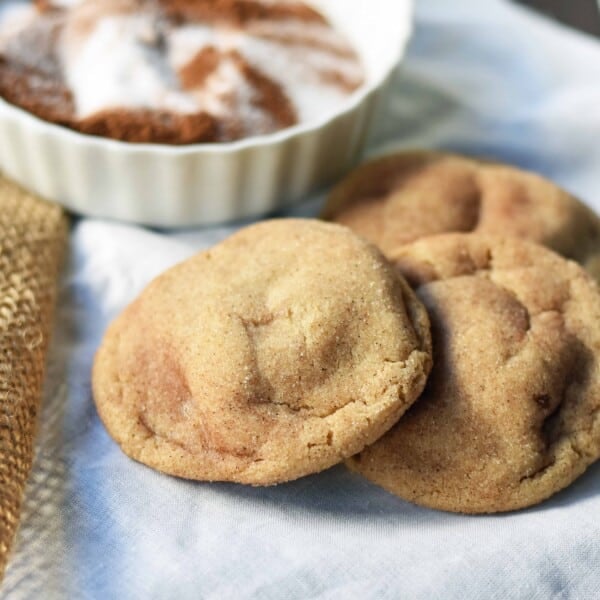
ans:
(33, 238)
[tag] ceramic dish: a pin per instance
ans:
(200, 184)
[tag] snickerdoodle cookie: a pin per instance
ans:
(403, 197)
(278, 353)
(511, 413)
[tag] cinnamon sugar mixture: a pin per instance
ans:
(173, 71)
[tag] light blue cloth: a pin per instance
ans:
(482, 76)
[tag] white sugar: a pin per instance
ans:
(113, 69)
(187, 41)
(15, 16)
(300, 32)
(66, 3)
(228, 94)
(297, 70)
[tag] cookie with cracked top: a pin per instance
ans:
(278, 353)
(511, 412)
(400, 198)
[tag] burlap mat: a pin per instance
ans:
(33, 236)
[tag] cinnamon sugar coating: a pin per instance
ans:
(278, 353)
(511, 412)
(400, 198)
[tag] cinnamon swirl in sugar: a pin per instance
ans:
(174, 71)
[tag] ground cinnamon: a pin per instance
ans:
(257, 104)
(239, 12)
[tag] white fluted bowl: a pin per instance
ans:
(200, 184)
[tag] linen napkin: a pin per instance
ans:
(482, 76)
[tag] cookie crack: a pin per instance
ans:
(146, 426)
(258, 322)
(539, 472)
(488, 272)
(250, 326)
(479, 193)
(397, 384)
(293, 408)
(327, 443)
(556, 434)
(152, 433)
(594, 421)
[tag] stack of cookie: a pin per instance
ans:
(295, 345)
